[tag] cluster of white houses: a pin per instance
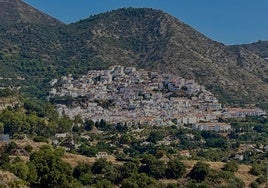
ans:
(124, 94)
(240, 112)
(214, 126)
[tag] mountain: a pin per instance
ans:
(260, 48)
(16, 11)
(33, 53)
(154, 40)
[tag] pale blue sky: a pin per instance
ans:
(226, 21)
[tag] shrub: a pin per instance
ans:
(254, 184)
(261, 179)
(231, 166)
(175, 169)
(28, 148)
(256, 170)
(199, 172)
(40, 139)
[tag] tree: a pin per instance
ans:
(80, 169)
(233, 135)
(172, 185)
(199, 172)
(209, 134)
(86, 150)
(11, 146)
(2, 128)
(82, 172)
(102, 125)
(86, 179)
(153, 167)
(175, 169)
(160, 153)
(127, 169)
(4, 161)
(104, 183)
(261, 179)
(50, 111)
(120, 128)
(51, 170)
(261, 128)
(216, 143)
(78, 119)
(13, 121)
(155, 136)
(77, 129)
(254, 184)
(6, 92)
(257, 169)
(64, 124)
(125, 139)
(112, 174)
(20, 169)
(140, 181)
(88, 124)
(28, 148)
(99, 165)
(32, 176)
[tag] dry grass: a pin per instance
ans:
(216, 165)
(24, 142)
(21, 144)
(8, 101)
(74, 159)
(242, 173)
(7, 177)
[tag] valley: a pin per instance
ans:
(129, 98)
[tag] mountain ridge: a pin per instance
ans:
(260, 48)
(16, 11)
(141, 37)
(183, 50)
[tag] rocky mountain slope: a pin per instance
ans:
(155, 40)
(16, 11)
(144, 38)
(260, 48)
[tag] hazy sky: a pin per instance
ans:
(226, 21)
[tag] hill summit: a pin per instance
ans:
(16, 11)
(154, 40)
(260, 48)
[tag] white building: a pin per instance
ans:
(218, 127)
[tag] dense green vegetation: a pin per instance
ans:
(32, 120)
(145, 154)
(6, 92)
(44, 169)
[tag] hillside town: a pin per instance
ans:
(124, 94)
